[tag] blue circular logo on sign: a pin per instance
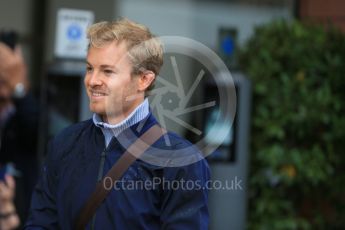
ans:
(74, 32)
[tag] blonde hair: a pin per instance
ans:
(145, 51)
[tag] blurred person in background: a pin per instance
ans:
(19, 115)
(8, 215)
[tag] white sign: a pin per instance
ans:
(70, 38)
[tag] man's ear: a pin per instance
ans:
(145, 79)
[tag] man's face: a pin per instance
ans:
(109, 84)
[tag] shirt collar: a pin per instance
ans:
(140, 112)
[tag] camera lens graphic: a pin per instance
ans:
(170, 101)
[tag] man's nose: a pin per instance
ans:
(95, 79)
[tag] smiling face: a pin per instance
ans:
(112, 91)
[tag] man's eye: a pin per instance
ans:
(108, 71)
(88, 69)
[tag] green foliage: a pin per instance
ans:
(298, 126)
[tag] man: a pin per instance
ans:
(123, 60)
(19, 113)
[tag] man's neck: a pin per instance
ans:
(114, 119)
(118, 118)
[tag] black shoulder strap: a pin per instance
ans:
(115, 173)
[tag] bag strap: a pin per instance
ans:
(115, 173)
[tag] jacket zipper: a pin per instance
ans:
(99, 178)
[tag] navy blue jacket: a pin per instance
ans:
(71, 170)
